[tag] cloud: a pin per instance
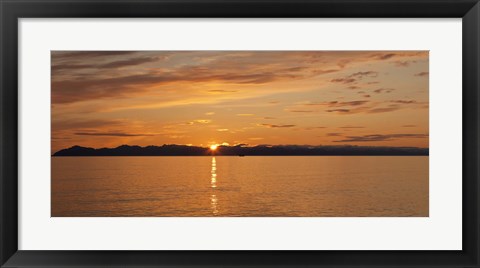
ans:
(66, 91)
(350, 103)
(113, 134)
(113, 64)
(355, 77)
(367, 106)
(245, 114)
(58, 125)
(404, 101)
(88, 54)
(353, 56)
(128, 62)
(334, 134)
(295, 69)
(383, 90)
(61, 138)
(384, 56)
(269, 118)
(222, 91)
(397, 105)
(403, 63)
(351, 127)
(68, 66)
(301, 111)
(339, 110)
(361, 75)
(380, 137)
(313, 128)
(319, 72)
(338, 103)
(159, 69)
(202, 121)
(79, 87)
(277, 126)
(343, 80)
(383, 110)
(422, 74)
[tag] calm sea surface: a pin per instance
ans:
(251, 186)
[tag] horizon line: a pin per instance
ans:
(245, 146)
(240, 150)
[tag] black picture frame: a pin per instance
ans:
(12, 10)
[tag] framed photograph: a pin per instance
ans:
(229, 133)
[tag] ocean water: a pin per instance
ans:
(232, 186)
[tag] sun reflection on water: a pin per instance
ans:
(214, 173)
(213, 204)
(213, 184)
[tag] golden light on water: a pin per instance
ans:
(213, 183)
(213, 203)
(241, 186)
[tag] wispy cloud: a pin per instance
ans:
(422, 74)
(360, 75)
(58, 125)
(351, 127)
(114, 134)
(380, 137)
(404, 101)
(300, 111)
(338, 103)
(383, 110)
(277, 126)
(369, 107)
(343, 80)
(339, 110)
(383, 90)
(78, 55)
(222, 91)
(314, 128)
(202, 121)
(354, 77)
(384, 56)
(405, 63)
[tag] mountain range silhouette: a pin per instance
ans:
(243, 150)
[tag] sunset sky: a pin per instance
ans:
(368, 98)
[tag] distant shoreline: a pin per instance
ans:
(243, 151)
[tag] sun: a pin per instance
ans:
(213, 147)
